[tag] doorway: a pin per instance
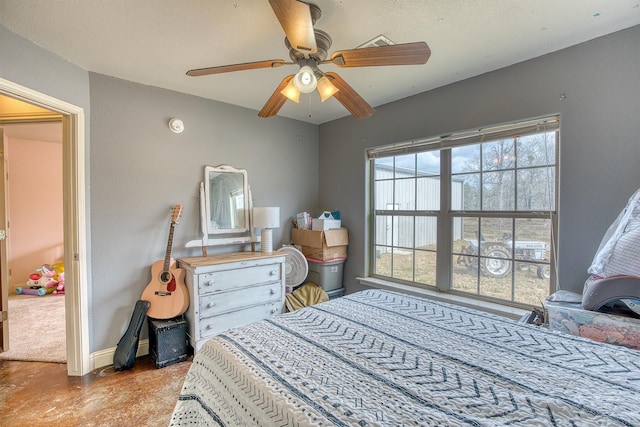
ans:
(35, 249)
(75, 230)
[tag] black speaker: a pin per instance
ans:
(167, 340)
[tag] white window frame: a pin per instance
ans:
(444, 215)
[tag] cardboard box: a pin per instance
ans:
(322, 245)
(325, 224)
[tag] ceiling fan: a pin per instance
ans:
(308, 48)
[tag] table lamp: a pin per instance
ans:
(266, 219)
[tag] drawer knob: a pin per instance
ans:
(211, 304)
(272, 272)
(210, 282)
(273, 310)
(210, 326)
(272, 291)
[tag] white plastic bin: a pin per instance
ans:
(327, 274)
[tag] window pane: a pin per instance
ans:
(537, 150)
(383, 230)
(405, 166)
(426, 234)
(495, 230)
(533, 239)
(383, 168)
(382, 261)
(498, 191)
(464, 277)
(428, 163)
(428, 195)
(532, 283)
(406, 194)
(496, 287)
(536, 189)
(465, 233)
(426, 267)
(498, 155)
(465, 192)
(465, 254)
(465, 159)
(402, 264)
(403, 228)
(383, 195)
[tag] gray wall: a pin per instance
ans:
(140, 169)
(599, 147)
(29, 65)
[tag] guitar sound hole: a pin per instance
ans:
(165, 277)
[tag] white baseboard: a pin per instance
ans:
(103, 358)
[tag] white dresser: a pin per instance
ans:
(230, 290)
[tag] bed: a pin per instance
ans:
(379, 358)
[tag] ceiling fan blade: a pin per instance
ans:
(398, 54)
(295, 19)
(272, 63)
(349, 98)
(276, 101)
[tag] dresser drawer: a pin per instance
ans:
(214, 325)
(221, 302)
(225, 280)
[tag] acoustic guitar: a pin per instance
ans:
(166, 292)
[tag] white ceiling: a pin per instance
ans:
(155, 42)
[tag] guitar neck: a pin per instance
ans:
(167, 256)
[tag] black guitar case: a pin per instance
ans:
(125, 355)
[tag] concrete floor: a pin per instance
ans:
(41, 394)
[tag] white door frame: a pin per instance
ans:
(75, 230)
(4, 253)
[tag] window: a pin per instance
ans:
(471, 213)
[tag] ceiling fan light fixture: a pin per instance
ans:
(305, 81)
(291, 92)
(326, 89)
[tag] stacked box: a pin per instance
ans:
(167, 341)
(323, 244)
(327, 274)
(325, 224)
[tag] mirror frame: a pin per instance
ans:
(226, 169)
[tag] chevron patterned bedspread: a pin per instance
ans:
(378, 358)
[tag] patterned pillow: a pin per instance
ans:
(619, 251)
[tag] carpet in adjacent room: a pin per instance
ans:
(36, 329)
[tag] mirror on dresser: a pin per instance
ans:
(226, 200)
(225, 207)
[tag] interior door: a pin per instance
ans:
(4, 255)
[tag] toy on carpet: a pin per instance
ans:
(31, 291)
(59, 290)
(46, 280)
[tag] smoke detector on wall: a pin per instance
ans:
(176, 125)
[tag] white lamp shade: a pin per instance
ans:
(305, 81)
(266, 217)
